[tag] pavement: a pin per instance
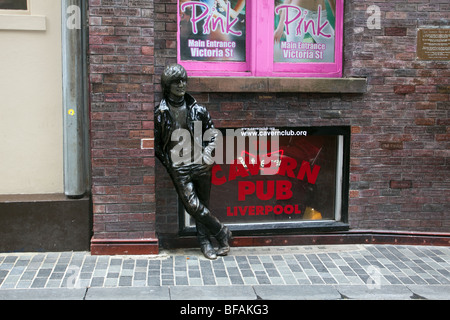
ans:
(325, 272)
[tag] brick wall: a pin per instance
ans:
(400, 127)
(121, 49)
(165, 53)
(400, 157)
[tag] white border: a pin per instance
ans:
(19, 12)
(22, 20)
(190, 222)
(18, 22)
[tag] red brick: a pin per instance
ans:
(395, 31)
(425, 122)
(146, 50)
(147, 143)
(129, 144)
(231, 106)
(392, 145)
(404, 89)
(404, 184)
(443, 137)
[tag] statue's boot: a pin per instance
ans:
(223, 237)
(208, 250)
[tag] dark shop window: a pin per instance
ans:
(13, 4)
(301, 182)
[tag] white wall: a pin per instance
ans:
(31, 134)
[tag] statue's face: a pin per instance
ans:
(178, 88)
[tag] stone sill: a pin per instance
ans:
(25, 198)
(22, 22)
(273, 85)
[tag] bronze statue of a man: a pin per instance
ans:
(179, 113)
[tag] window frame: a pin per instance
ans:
(339, 222)
(260, 23)
(22, 20)
(17, 11)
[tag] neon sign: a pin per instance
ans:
(212, 18)
(313, 26)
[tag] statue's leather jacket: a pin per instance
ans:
(164, 127)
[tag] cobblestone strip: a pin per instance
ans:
(371, 265)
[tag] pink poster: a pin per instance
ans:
(212, 30)
(304, 31)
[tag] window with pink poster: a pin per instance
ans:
(269, 38)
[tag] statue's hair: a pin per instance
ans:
(172, 73)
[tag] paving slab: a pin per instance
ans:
(364, 292)
(128, 293)
(43, 294)
(441, 292)
(212, 293)
(297, 292)
(273, 273)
